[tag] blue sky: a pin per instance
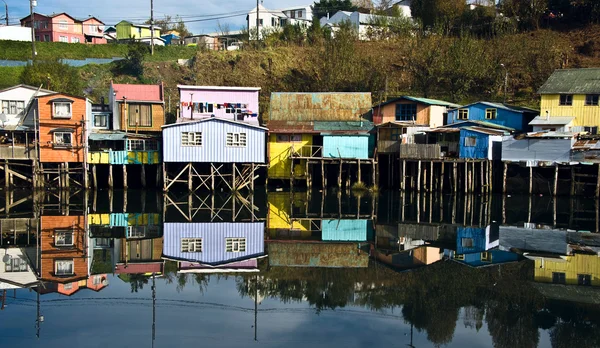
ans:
(112, 11)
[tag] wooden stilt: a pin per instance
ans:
(306, 174)
(455, 176)
(165, 178)
(359, 173)
(442, 177)
(94, 177)
(466, 178)
(504, 177)
(419, 176)
(292, 173)
(6, 175)
(143, 175)
(348, 176)
(490, 177)
(233, 183)
(212, 177)
(125, 201)
(481, 177)
(530, 180)
(430, 176)
(555, 190)
(403, 176)
(124, 176)
(340, 176)
(67, 177)
(110, 176)
(189, 178)
(323, 174)
(598, 182)
(375, 181)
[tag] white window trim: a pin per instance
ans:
(58, 144)
(62, 116)
(57, 262)
(191, 245)
(237, 143)
(63, 24)
(232, 247)
(59, 232)
(105, 116)
(196, 139)
(63, 38)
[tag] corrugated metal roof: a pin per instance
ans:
(336, 255)
(149, 93)
(558, 121)
(572, 81)
(306, 107)
(486, 130)
(550, 135)
(478, 123)
(509, 107)
(587, 144)
(427, 101)
(213, 119)
(291, 127)
(344, 126)
(218, 88)
(442, 130)
(401, 124)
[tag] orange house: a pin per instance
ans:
(64, 256)
(62, 127)
(95, 282)
(421, 111)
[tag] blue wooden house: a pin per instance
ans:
(213, 149)
(476, 239)
(486, 258)
(213, 243)
(511, 116)
(347, 230)
(481, 143)
(350, 139)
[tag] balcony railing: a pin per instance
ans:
(19, 151)
(307, 151)
(388, 146)
(420, 151)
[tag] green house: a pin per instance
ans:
(127, 30)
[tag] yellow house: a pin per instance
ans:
(570, 101)
(280, 222)
(281, 146)
(578, 269)
(127, 30)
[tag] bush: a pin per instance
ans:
(53, 75)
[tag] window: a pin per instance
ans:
(136, 232)
(296, 138)
(102, 242)
(235, 245)
(460, 257)
(37, 38)
(15, 264)
(591, 99)
(299, 14)
(140, 115)
(406, 112)
(558, 278)
(63, 267)
(261, 22)
(63, 238)
(47, 38)
(101, 121)
(142, 145)
(13, 107)
(490, 114)
(397, 134)
(92, 28)
(282, 22)
(63, 39)
(486, 256)
(283, 138)
(463, 114)
(68, 286)
(191, 139)
(36, 24)
(75, 40)
(591, 130)
(62, 110)
(63, 24)
(470, 141)
(584, 279)
(191, 245)
(466, 242)
(292, 14)
(236, 139)
(566, 99)
(273, 22)
(63, 139)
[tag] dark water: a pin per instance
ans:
(328, 270)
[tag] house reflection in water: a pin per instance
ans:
(478, 246)
(205, 247)
(128, 243)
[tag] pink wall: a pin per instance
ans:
(189, 105)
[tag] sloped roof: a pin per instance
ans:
(478, 123)
(560, 121)
(485, 130)
(147, 93)
(307, 107)
(213, 119)
(427, 101)
(509, 107)
(28, 87)
(362, 126)
(572, 81)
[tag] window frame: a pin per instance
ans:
(70, 261)
(232, 247)
(196, 243)
(568, 100)
(584, 279)
(491, 111)
(401, 113)
(469, 138)
(241, 142)
(22, 265)
(591, 97)
(62, 145)
(64, 232)
(485, 256)
(138, 107)
(559, 278)
(460, 112)
(55, 115)
(13, 107)
(75, 40)
(64, 39)
(195, 141)
(63, 24)
(105, 117)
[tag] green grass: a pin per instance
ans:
(17, 50)
(10, 76)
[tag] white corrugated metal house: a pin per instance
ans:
(16, 269)
(549, 147)
(213, 148)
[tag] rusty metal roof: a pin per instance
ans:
(344, 126)
(587, 144)
(291, 127)
(572, 81)
(306, 107)
(487, 131)
(442, 130)
(303, 254)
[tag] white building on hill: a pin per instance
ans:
(275, 19)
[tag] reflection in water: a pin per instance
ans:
(506, 272)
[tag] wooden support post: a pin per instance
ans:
(212, 177)
(348, 176)
(323, 174)
(292, 173)
(94, 177)
(490, 168)
(455, 176)
(306, 171)
(504, 177)
(252, 178)
(374, 174)
(555, 190)
(442, 177)
(340, 176)
(598, 182)
(482, 183)
(110, 176)
(125, 177)
(189, 178)
(466, 177)
(233, 182)
(359, 173)
(430, 176)
(165, 178)
(6, 175)
(572, 181)
(143, 175)
(67, 178)
(419, 176)
(530, 180)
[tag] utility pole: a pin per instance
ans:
(257, 21)
(6, 14)
(152, 27)
(505, 80)
(32, 3)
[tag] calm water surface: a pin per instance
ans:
(295, 269)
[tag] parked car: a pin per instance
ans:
(234, 46)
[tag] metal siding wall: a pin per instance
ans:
(478, 236)
(503, 117)
(552, 150)
(344, 230)
(349, 146)
(213, 240)
(219, 97)
(479, 151)
(213, 148)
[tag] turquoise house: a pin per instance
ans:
(347, 230)
(350, 139)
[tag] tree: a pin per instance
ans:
(324, 7)
(133, 63)
(168, 24)
(443, 13)
(529, 12)
(53, 75)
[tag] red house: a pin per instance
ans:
(62, 27)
